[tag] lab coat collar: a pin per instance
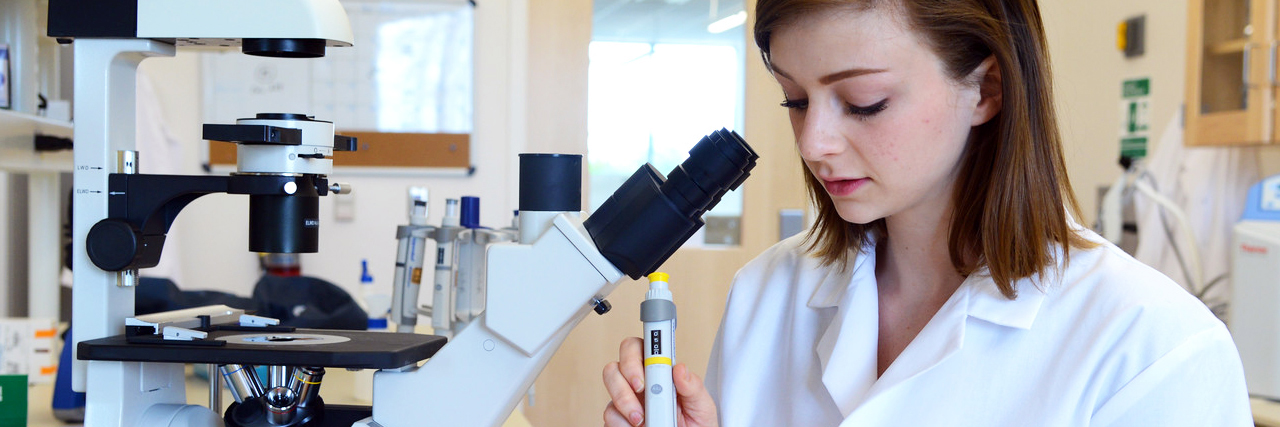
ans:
(846, 349)
(985, 300)
(987, 303)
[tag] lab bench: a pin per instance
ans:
(1266, 413)
(337, 388)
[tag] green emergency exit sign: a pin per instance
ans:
(1135, 117)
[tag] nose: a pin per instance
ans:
(816, 135)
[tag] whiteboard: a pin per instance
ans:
(411, 70)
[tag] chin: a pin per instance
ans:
(860, 215)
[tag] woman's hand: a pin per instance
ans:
(624, 380)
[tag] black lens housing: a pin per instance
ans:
(284, 48)
(285, 223)
(551, 182)
(650, 216)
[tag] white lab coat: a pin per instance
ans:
(1109, 342)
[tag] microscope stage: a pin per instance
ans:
(301, 347)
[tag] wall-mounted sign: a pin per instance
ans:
(4, 76)
(1135, 117)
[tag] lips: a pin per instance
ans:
(843, 187)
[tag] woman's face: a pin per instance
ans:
(876, 117)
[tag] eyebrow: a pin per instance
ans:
(836, 76)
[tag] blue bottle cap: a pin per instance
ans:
(470, 212)
(377, 323)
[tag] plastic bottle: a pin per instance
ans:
(376, 301)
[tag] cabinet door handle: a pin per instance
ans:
(1271, 62)
(1247, 53)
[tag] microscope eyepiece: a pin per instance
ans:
(650, 216)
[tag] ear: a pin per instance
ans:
(991, 88)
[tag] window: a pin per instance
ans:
(658, 82)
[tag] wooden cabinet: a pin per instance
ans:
(1231, 72)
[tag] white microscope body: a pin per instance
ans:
(111, 39)
(538, 291)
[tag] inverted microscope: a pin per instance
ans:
(537, 288)
(122, 216)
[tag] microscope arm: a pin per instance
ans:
(537, 294)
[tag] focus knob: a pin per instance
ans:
(112, 244)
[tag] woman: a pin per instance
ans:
(944, 282)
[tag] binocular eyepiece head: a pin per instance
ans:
(650, 216)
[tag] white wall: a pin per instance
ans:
(1088, 71)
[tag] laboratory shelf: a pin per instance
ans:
(17, 143)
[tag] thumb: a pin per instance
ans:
(695, 402)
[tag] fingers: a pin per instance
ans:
(613, 418)
(630, 353)
(624, 381)
(695, 402)
(624, 397)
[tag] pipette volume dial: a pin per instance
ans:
(658, 313)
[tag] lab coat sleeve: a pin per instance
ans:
(1198, 383)
(713, 377)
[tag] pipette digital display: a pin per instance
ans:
(658, 313)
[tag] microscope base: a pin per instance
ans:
(302, 347)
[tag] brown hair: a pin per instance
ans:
(1012, 195)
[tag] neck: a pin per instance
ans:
(914, 260)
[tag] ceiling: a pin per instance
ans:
(664, 21)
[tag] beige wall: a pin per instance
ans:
(1088, 73)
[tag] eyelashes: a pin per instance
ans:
(795, 105)
(856, 110)
(870, 110)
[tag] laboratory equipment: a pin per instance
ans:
(458, 284)
(560, 269)
(470, 247)
(283, 169)
(658, 312)
(410, 260)
(1254, 312)
(410, 252)
(446, 236)
(538, 288)
(110, 39)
